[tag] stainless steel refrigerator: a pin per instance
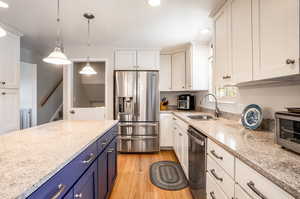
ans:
(137, 109)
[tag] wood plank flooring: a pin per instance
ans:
(133, 181)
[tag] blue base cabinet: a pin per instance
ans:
(90, 175)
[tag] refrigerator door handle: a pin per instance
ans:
(139, 125)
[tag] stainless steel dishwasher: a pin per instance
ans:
(197, 163)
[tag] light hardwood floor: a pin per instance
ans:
(133, 181)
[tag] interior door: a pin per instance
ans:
(71, 110)
(147, 109)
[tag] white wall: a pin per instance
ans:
(47, 77)
(270, 98)
(102, 53)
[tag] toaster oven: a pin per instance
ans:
(288, 130)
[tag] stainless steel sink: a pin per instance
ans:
(201, 117)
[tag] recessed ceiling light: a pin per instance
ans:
(154, 3)
(205, 31)
(3, 4)
(2, 32)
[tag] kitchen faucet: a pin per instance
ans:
(217, 110)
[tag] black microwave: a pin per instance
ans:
(288, 130)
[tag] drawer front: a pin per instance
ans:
(256, 185)
(139, 128)
(63, 181)
(240, 193)
(181, 124)
(138, 144)
(104, 141)
(222, 157)
(220, 177)
(213, 191)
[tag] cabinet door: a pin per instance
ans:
(102, 175)
(86, 187)
(9, 61)
(178, 71)
(112, 164)
(185, 153)
(223, 66)
(165, 73)
(125, 60)
(70, 195)
(166, 130)
(240, 193)
(9, 107)
(241, 37)
(148, 59)
(275, 38)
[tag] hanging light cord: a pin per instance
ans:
(58, 42)
(89, 39)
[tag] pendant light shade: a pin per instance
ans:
(88, 69)
(2, 32)
(57, 57)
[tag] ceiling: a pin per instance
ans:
(118, 23)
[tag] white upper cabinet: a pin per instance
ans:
(125, 60)
(275, 38)
(178, 71)
(9, 110)
(148, 59)
(165, 83)
(223, 65)
(197, 67)
(137, 59)
(241, 37)
(9, 61)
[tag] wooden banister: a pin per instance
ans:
(47, 97)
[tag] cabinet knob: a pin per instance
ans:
(3, 83)
(3, 93)
(78, 195)
(72, 112)
(290, 61)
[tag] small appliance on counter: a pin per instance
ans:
(288, 130)
(186, 102)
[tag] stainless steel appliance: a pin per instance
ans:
(288, 130)
(186, 102)
(197, 163)
(137, 109)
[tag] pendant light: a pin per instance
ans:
(57, 57)
(88, 69)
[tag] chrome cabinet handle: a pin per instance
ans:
(78, 195)
(212, 195)
(213, 152)
(213, 172)
(91, 158)
(251, 185)
(61, 189)
(290, 61)
(104, 143)
(111, 150)
(227, 77)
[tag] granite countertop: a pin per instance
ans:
(30, 157)
(255, 148)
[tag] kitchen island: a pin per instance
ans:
(32, 159)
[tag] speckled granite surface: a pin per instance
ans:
(255, 148)
(30, 157)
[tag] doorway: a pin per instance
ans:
(28, 95)
(86, 94)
